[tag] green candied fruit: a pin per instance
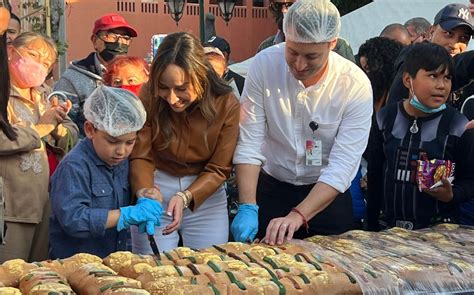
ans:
(214, 289)
(234, 280)
(214, 266)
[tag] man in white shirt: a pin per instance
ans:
(305, 120)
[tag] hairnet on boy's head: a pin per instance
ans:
(115, 111)
(312, 21)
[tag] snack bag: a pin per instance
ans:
(430, 173)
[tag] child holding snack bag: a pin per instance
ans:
(419, 145)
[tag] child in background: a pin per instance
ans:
(127, 72)
(90, 195)
(423, 123)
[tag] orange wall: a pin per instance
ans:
(245, 31)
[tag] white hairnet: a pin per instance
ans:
(114, 110)
(312, 21)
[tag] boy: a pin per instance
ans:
(90, 193)
(421, 124)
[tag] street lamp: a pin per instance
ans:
(227, 9)
(176, 8)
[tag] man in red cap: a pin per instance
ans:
(111, 36)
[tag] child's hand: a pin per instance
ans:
(150, 193)
(470, 124)
(443, 193)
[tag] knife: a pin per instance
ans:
(154, 247)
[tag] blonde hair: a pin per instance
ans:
(26, 38)
(186, 52)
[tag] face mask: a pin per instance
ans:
(28, 72)
(415, 102)
(135, 89)
(112, 49)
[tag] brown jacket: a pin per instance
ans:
(23, 162)
(198, 149)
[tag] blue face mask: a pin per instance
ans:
(421, 107)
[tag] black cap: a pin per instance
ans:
(220, 43)
(454, 15)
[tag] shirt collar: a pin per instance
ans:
(37, 93)
(99, 66)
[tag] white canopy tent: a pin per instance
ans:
(369, 21)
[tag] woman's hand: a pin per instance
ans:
(175, 209)
(282, 229)
(64, 106)
(442, 193)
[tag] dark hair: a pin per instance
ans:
(381, 53)
(429, 57)
(185, 51)
(5, 125)
(15, 17)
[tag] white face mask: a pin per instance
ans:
(416, 103)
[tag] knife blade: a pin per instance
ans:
(154, 247)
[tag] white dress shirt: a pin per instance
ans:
(276, 110)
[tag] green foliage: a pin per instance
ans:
(346, 6)
(37, 20)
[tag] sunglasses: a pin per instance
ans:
(278, 6)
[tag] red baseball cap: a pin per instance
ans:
(113, 21)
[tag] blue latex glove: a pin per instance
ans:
(245, 224)
(146, 211)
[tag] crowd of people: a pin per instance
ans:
(318, 140)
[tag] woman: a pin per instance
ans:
(186, 146)
(127, 72)
(24, 165)
(7, 134)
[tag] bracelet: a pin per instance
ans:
(189, 196)
(184, 199)
(305, 222)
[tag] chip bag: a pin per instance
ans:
(431, 172)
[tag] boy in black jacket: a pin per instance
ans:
(404, 131)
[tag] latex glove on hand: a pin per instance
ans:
(146, 211)
(245, 224)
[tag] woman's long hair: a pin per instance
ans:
(5, 125)
(186, 52)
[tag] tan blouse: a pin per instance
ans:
(199, 148)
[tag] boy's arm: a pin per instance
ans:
(71, 198)
(463, 188)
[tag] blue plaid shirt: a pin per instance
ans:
(83, 190)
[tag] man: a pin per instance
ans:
(111, 36)
(452, 28)
(278, 9)
(305, 120)
(14, 28)
(418, 28)
(396, 32)
(235, 80)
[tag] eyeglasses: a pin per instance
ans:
(278, 6)
(114, 37)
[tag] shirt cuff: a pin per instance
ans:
(98, 219)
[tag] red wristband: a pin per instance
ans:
(305, 222)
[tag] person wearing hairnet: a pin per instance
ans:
(90, 195)
(305, 121)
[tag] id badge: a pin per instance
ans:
(314, 152)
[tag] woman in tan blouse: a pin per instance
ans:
(185, 148)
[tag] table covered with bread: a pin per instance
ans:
(395, 261)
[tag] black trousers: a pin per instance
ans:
(276, 198)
